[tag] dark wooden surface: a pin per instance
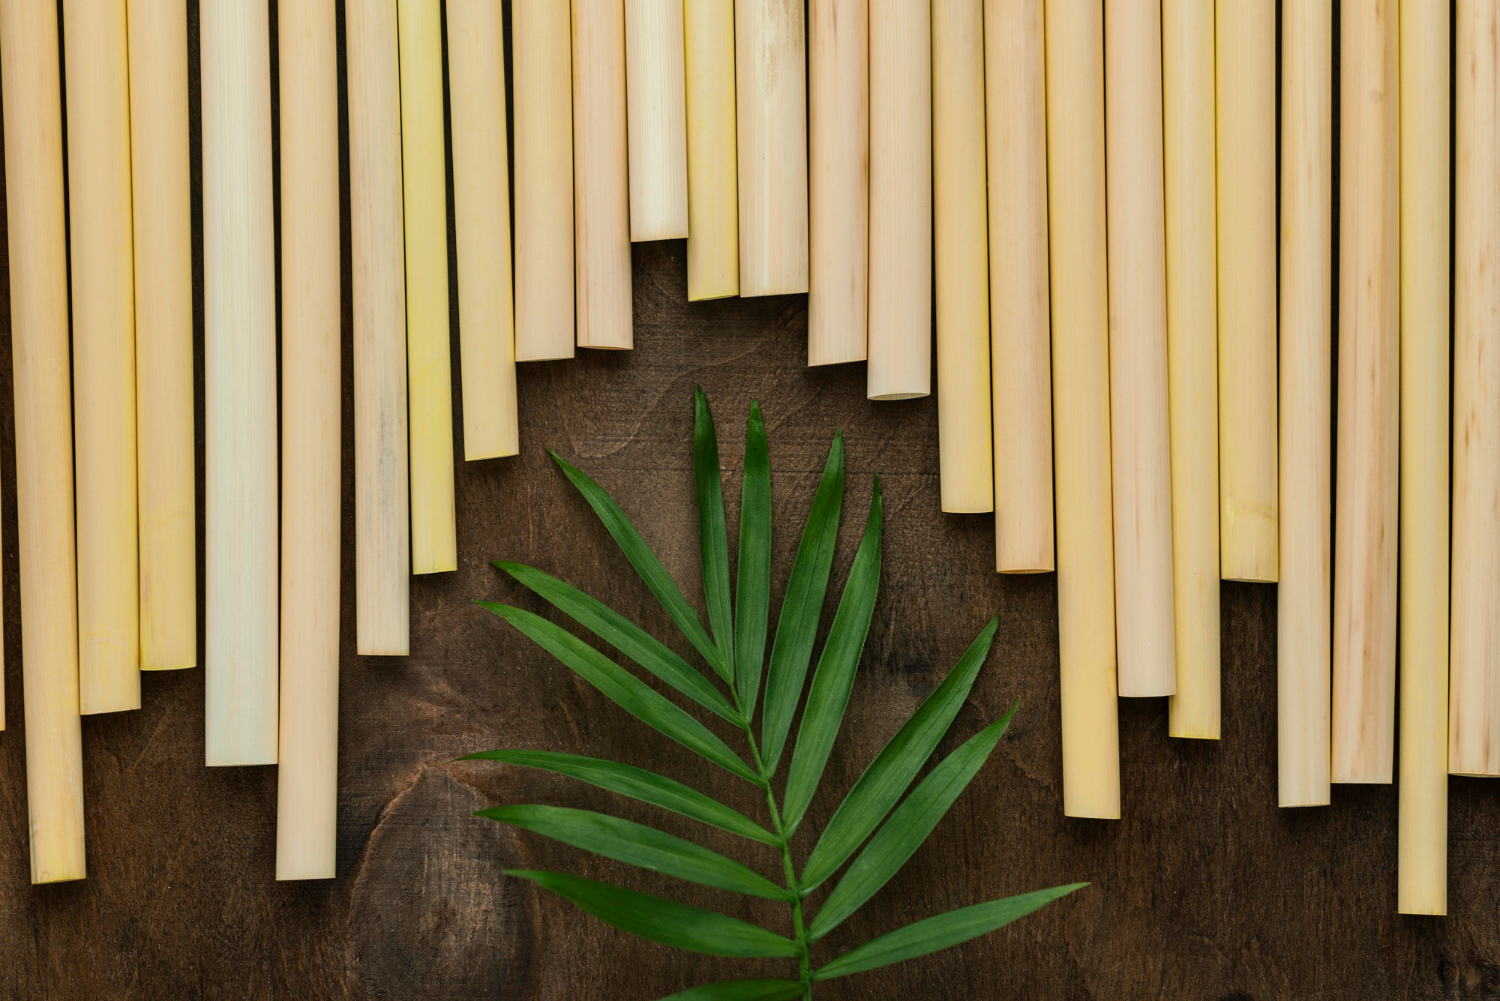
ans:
(1204, 890)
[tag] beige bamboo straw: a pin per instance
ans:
(1474, 700)
(307, 779)
(163, 333)
(381, 532)
(839, 186)
(542, 68)
(1080, 395)
(98, 94)
(1364, 567)
(434, 535)
(656, 116)
(1246, 127)
(1020, 334)
(1304, 598)
(1192, 360)
(713, 248)
(1422, 870)
(1140, 440)
(481, 207)
(601, 191)
(44, 436)
(900, 310)
(771, 99)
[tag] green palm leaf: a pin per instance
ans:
(753, 588)
(907, 828)
(656, 919)
(713, 541)
(742, 990)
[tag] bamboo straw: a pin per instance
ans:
(1140, 440)
(655, 89)
(239, 305)
(307, 779)
(1304, 597)
(601, 191)
(542, 68)
(839, 194)
(1080, 388)
(167, 479)
(771, 101)
(1246, 129)
(1020, 335)
(900, 311)
(381, 539)
(1422, 870)
(98, 94)
(713, 248)
(434, 539)
(1364, 574)
(966, 451)
(44, 436)
(1192, 360)
(481, 208)
(1474, 700)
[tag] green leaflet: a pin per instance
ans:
(753, 588)
(659, 920)
(741, 990)
(713, 541)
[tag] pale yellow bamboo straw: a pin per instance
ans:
(1020, 333)
(839, 186)
(44, 436)
(1422, 845)
(542, 68)
(434, 535)
(965, 449)
(307, 778)
(601, 189)
(1246, 128)
(1365, 525)
(1304, 598)
(900, 310)
(771, 99)
(163, 333)
(1140, 440)
(98, 90)
(656, 116)
(1192, 360)
(1080, 394)
(481, 211)
(381, 532)
(713, 248)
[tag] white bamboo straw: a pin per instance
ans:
(381, 532)
(965, 449)
(434, 535)
(239, 305)
(656, 116)
(481, 207)
(165, 419)
(770, 68)
(713, 247)
(1422, 845)
(1304, 598)
(900, 311)
(839, 185)
(1474, 701)
(1364, 568)
(44, 436)
(98, 95)
(1192, 360)
(1140, 440)
(1020, 319)
(1246, 126)
(1080, 395)
(307, 778)
(601, 189)
(542, 68)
